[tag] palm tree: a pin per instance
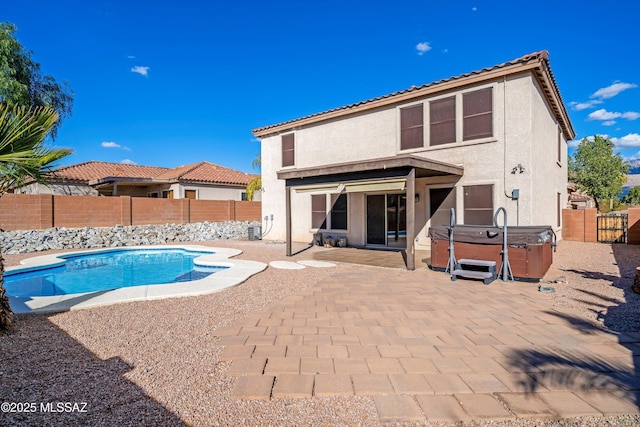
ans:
(256, 183)
(23, 155)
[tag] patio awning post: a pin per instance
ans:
(411, 219)
(288, 220)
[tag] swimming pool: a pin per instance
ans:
(193, 277)
(109, 270)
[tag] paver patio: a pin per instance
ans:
(428, 349)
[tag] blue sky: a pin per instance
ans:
(166, 83)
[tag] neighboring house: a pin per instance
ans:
(577, 199)
(381, 171)
(203, 180)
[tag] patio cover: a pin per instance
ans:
(396, 173)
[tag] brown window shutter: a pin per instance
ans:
(411, 127)
(288, 150)
(442, 121)
(477, 111)
(478, 204)
(319, 211)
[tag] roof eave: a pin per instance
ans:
(538, 65)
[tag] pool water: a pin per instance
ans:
(107, 271)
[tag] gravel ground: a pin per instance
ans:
(157, 362)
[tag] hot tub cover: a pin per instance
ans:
(490, 235)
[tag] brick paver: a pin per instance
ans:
(333, 385)
(298, 386)
(425, 348)
(397, 408)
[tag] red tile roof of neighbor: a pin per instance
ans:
(538, 62)
(203, 172)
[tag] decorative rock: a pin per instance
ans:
(25, 241)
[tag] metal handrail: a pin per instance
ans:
(451, 263)
(505, 268)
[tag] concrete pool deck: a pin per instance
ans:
(236, 272)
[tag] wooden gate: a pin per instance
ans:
(612, 228)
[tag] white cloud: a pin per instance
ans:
(574, 143)
(111, 144)
(603, 114)
(609, 116)
(143, 71)
(578, 106)
(630, 115)
(474, 8)
(609, 123)
(423, 47)
(131, 57)
(613, 90)
(127, 162)
(631, 140)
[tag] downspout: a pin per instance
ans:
(504, 141)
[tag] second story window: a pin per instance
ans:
(411, 127)
(477, 110)
(442, 121)
(288, 150)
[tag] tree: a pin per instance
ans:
(256, 183)
(22, 82)
(23, 155)
(633, 197)
(597, 170)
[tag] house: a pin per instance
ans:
(202, 180)
(577, 199)
(380, 172)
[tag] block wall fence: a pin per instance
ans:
(581, 225)
(40, 211)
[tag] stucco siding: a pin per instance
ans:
(524, 133)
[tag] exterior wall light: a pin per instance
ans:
(517, 169)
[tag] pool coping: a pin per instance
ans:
(237, 272)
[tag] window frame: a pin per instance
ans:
(467, 116)
(440, 122)
(328, 212)
(559, 159)
(288, 149)
(411, 127)
(333, 213)
(467, 210)
(194, 192)
(316, 209)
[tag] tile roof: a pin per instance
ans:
(543, 72)
(202, 172)
(92, 170)
(209, 173)
(576, 197)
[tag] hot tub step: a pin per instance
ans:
(476, 269)
(478, 262)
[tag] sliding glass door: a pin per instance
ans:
(387, 220)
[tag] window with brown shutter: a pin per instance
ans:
(411, 127)
(478, 204)
(477, 111)
(190, 194)
(559, 145)
(442, 121)
(319, 211)
(288, 150)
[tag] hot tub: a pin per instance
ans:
(530, 248)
